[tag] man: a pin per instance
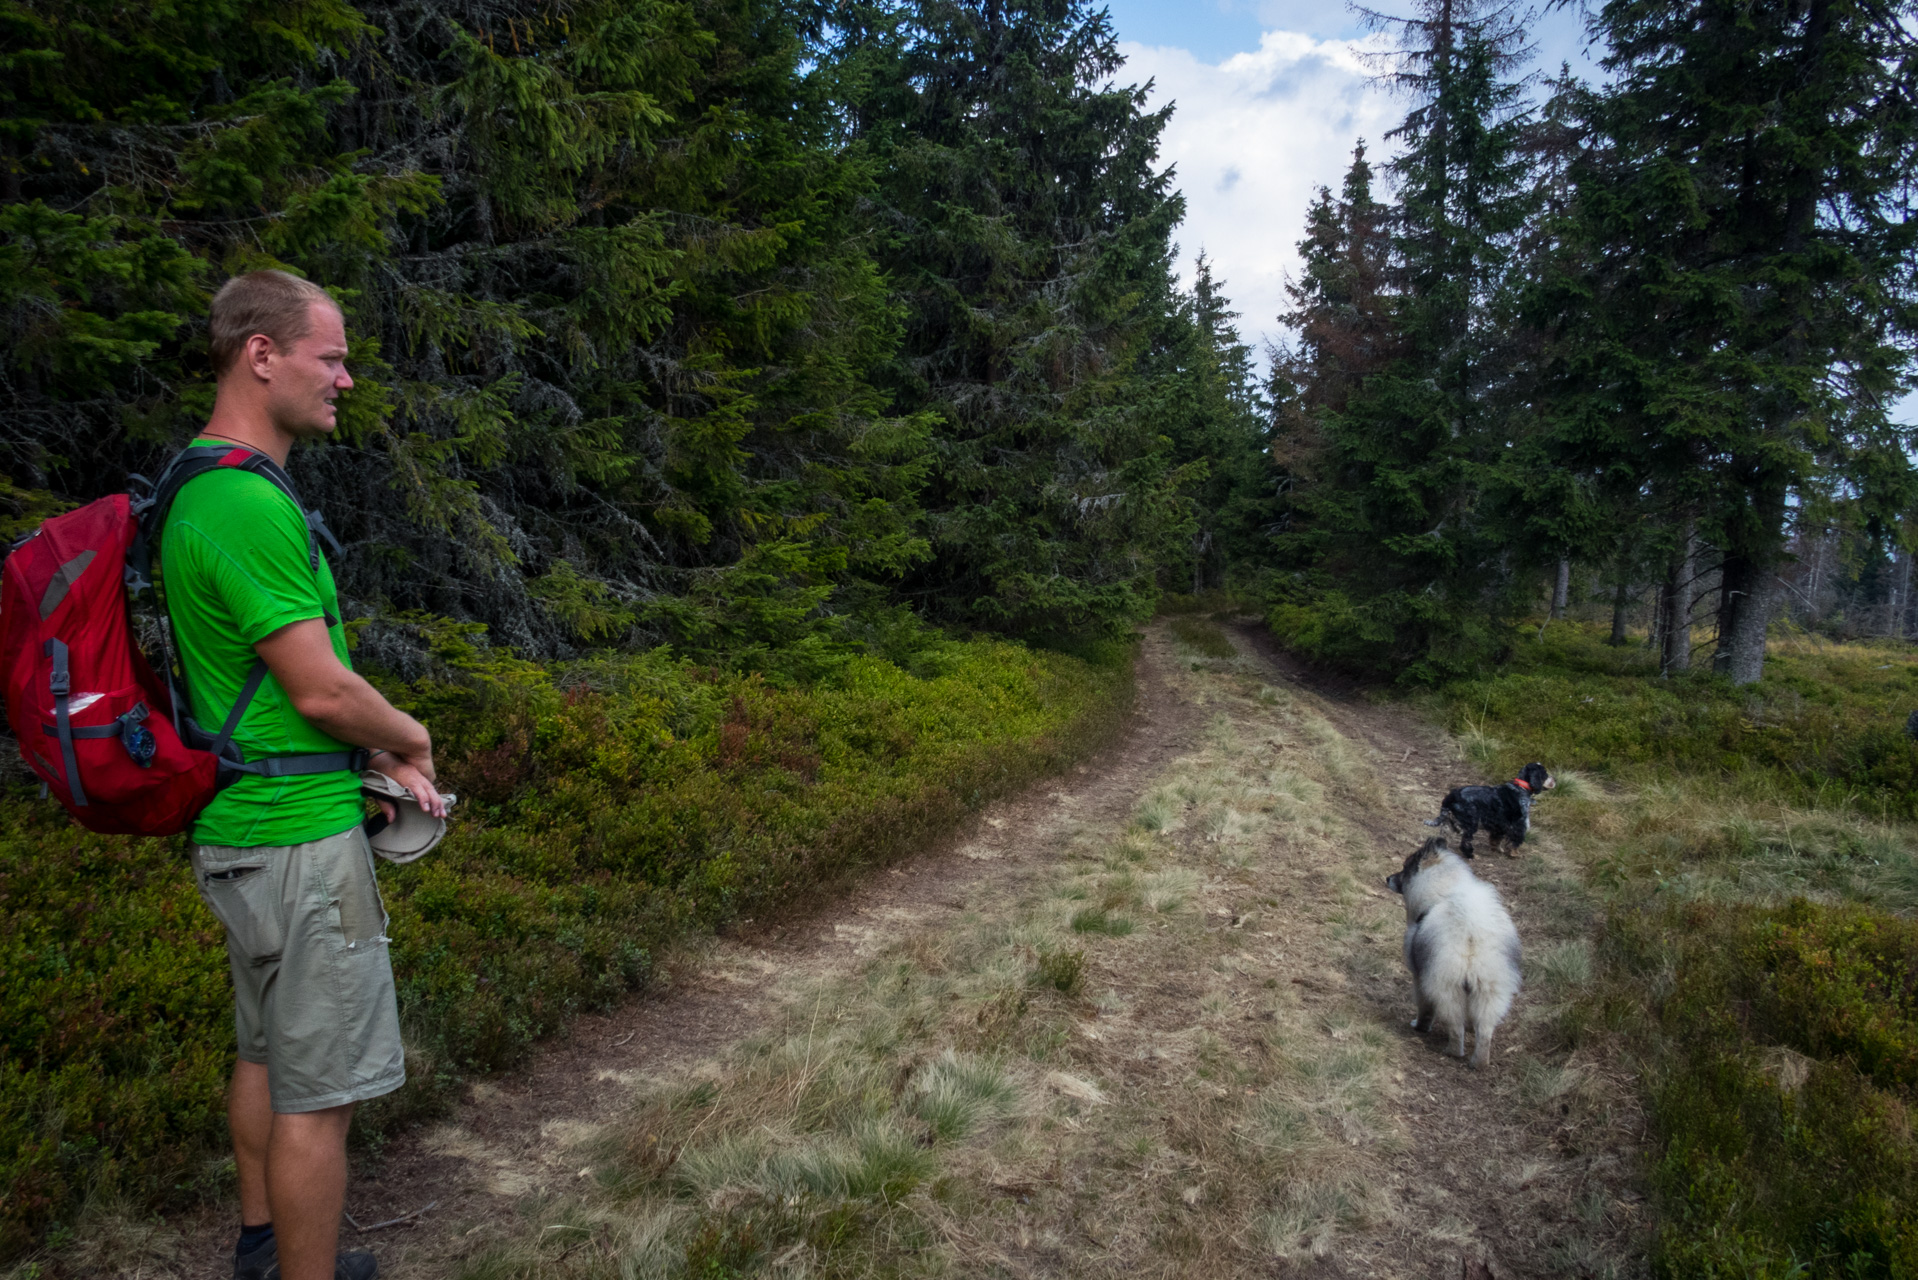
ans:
(284, 861)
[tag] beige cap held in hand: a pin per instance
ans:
(414, 832)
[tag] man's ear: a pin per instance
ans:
(257, 355)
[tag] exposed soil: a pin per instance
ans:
(1282, 965)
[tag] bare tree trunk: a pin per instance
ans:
(1817, 570)
(1902, 606)
(1678, 609)
(1562, 591)
(1744, 611)
(1620, 600)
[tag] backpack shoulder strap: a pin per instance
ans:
(189, 464)
(197, 460)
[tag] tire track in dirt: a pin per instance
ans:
(508, 1137)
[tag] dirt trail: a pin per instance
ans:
(1229, 1087)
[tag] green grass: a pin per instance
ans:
(1202, 637)
(1099, 920)
(608, 807)
(1751, 856)
(1824, 729)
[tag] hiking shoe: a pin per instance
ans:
(262, 1264)
(358, 1265)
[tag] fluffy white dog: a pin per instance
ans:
(1460, 945)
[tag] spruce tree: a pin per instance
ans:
(1026, 232)
(1417, 575)
(613, 313)
(1198, 382)
(1745, 210)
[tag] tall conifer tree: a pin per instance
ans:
(1027, 233)
(1417, 577)
(1748, 244)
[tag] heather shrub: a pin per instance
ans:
(1781, 1088)
(607, 807)
(1825, 726)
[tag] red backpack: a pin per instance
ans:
(110, 739)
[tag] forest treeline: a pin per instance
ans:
(1648, 332)
(772, 331)
(766, 330)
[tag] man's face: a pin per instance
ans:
(308, 376)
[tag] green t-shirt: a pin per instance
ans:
(234, 567)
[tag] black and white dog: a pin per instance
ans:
(1460, 945)
(1503, 813)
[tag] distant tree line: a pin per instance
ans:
(767, 330)
(1651, 330)
(777, 331)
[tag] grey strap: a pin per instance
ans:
(254, 679)
(292, 766)
(315, 523)
(62, 686)
(114, 730)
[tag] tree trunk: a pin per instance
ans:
(1743, 614)
(1678, 605)
(1562, 590)
(1902, 608)
(1620, 599)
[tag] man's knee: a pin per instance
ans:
(329, 1124)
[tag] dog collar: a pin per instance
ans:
(1522, 785)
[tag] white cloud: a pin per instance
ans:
(1253, 139)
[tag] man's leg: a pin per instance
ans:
(249, 1114)
(306, 1185)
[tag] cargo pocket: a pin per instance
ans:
(243, 896)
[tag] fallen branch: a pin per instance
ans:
(391, 1222)
(629, 1036)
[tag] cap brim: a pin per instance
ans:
(412, 832)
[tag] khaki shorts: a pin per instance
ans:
(312, 983)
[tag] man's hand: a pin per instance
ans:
(415, 776)
(343, 705)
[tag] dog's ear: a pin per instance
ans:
(1395, 883)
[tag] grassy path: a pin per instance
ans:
(1151, 1021)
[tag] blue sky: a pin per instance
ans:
(1271, 95)
(1214, 30)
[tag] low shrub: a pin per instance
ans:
(1781, 1088)
(1202, 637)
(1751, 852)
(607, 806)
(1061, 971)
(1825, 726)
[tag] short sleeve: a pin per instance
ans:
(253, 552)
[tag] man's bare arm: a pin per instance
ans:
(343, 705)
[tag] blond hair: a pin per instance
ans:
(266, 302)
